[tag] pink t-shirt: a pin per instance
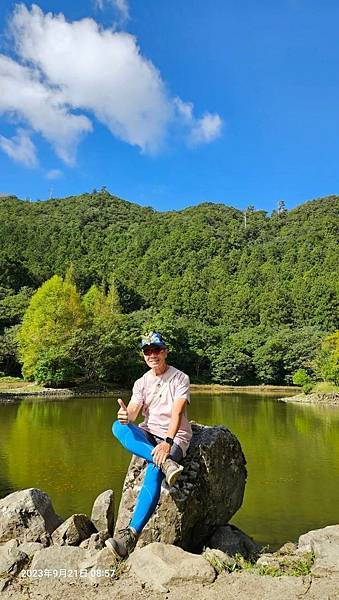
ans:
(156, 394)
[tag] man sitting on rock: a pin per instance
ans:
(162, 439)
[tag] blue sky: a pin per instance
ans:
(170, 103)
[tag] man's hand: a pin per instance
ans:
(122, 412)
(160, 453)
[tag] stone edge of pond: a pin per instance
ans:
(7, 397)
(328, 399)
(14, 396)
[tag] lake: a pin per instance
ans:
(65, 448)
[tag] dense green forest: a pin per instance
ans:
(239, 300)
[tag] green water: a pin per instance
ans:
(65, 447)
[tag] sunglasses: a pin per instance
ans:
(149, 351)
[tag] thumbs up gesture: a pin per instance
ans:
(122, 412)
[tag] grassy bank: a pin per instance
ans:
(11, 385)
(325, 387)
(17, 386)
(215, 388)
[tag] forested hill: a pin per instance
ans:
(200, 268)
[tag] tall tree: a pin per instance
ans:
(49, 327)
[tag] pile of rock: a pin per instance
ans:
(331, 398)
(33, 536)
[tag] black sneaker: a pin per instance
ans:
(123, 543)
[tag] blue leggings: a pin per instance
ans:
(138, 442)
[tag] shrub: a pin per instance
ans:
(302, 378)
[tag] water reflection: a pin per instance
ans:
(65, 448)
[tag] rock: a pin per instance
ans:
(100, 567)
(59, 558)
(99, 560)
(30, 548)
(27, 515)
(12, 559)
(325, 545)
(232, 540)
(326, 558)
(306, 541)
(287, 549)
(206, 496)
(103, 511)
(162, 565)
(74, 530)
(96, 541)
(70, 563)
(218, 559)
(4, 582)
(268, 560)
(331, 398)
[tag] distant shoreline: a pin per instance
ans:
(250, 389)
(14, 395)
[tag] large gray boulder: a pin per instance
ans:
(325, 534)
(59, 558)
(28, 516)
(71, 563)
(161, 565)
(207, 494)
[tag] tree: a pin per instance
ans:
(284, 352)
(13, 306)
(301, 378)
(100, 345)
(231, 366)
(49, 329)
(14, 273)
(327, 360)
(9, 363)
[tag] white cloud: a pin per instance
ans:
(67, 72)
(96, 70)
(54, 174)
(121, 5)
(24, 95)
(20, 148)
(206, 130)
(184, 109)
(201, 131)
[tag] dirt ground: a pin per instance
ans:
(227, 586)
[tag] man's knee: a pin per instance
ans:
(117, 428)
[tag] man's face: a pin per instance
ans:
(155, 357)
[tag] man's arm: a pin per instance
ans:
(177, 412)
(127, 414)
(162, 450)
